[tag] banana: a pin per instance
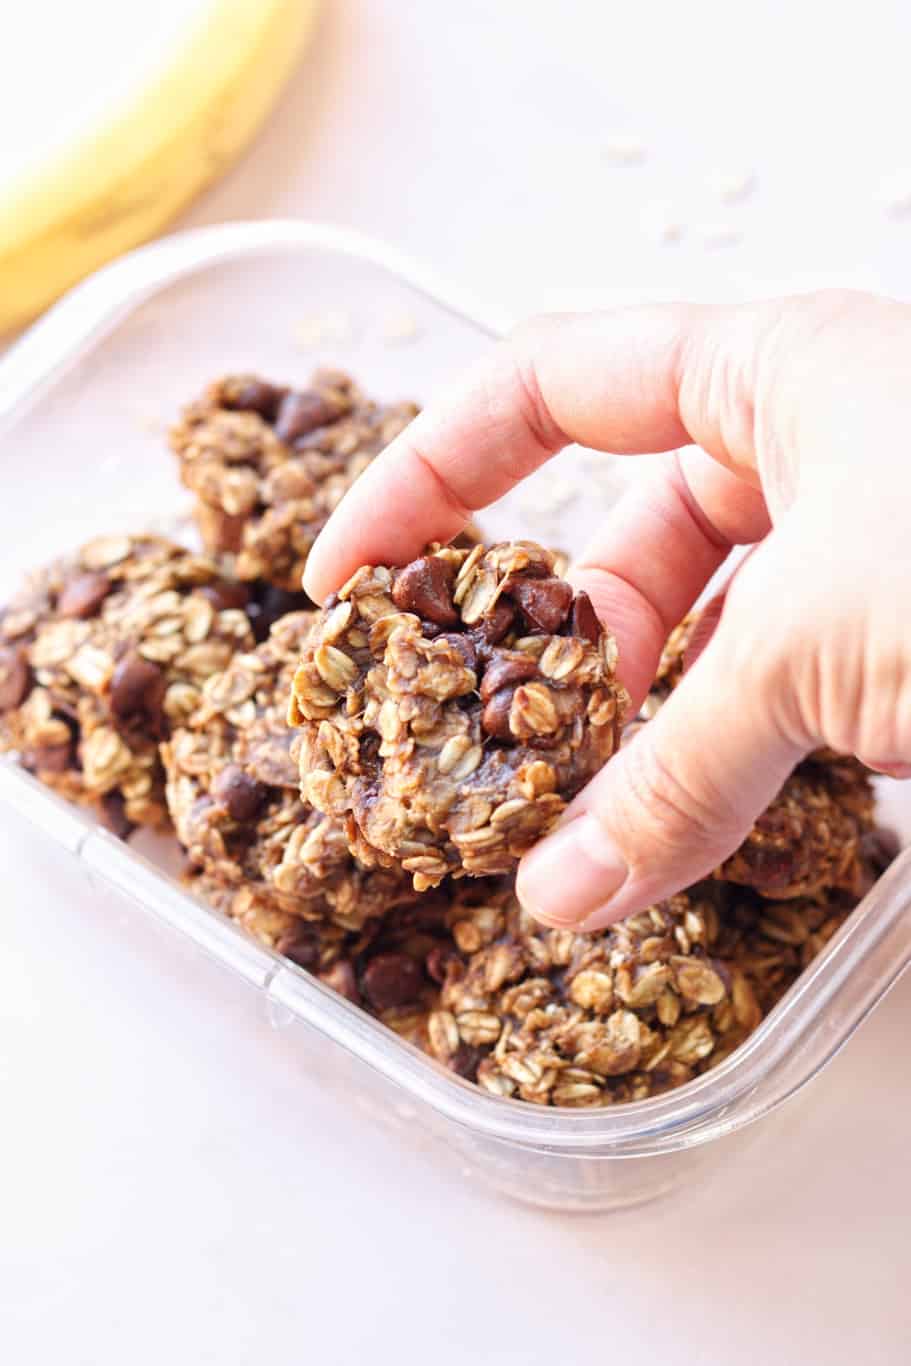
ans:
(121, 183)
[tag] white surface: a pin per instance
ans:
(171, 1189)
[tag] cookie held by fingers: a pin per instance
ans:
(451, 708)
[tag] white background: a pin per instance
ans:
(171, 1189)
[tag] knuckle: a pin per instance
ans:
(521, 349)
(879, 726)
(802, 318)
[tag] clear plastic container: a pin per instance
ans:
(84, 397)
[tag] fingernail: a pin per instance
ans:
(571, 874)
(900, 771)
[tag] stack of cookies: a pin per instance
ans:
(355, 785)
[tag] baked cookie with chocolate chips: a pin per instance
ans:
(268, 464)
(558, 1018)
(385, 967)
(810, 838)
(450, 709)
(261, 855)
(100, 654)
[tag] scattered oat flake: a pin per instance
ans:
(320, 328)
(148, 418)
(731, 187)
(716, 235)
(623, 150)
(308, 332)
(400, 327)
(662, 225)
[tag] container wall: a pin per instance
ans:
(95, 451)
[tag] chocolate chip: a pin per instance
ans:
(137, 693)
(492, 628)
(340, 977)
(114, 817)
(301, 412)
(226, 596)
(880, 847)
(467, 538)
(770, 869)
(545, 603)
(437, 961)
(269, 760)
(428, 915)
(465, 1061)
(391, 979)
(300, 947)
(240, 795)
(248, 394)
(52, 758)
(506, 666)
(495, 716)
(425, 587)
(14, 676)
(536, 569)
(584, 621)
(465, 646)
(272, 603)
(82, 596)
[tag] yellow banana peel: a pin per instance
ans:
(123, 182)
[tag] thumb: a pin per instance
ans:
(672, 805)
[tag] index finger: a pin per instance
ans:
(610, 380)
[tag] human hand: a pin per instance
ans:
(801, 408)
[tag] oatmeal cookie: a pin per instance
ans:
(811, 836)
(774, 941)
(560, 1018)
(269, 463)
(100, 654)
(450, 709)
(391, 966)
(232, 791)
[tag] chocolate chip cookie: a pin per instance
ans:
(268, 463)
(450, 709)
(100, 654)
(558, 1018)
(262, 855)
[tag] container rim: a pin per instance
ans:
(91, 310)
(804, 1031)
